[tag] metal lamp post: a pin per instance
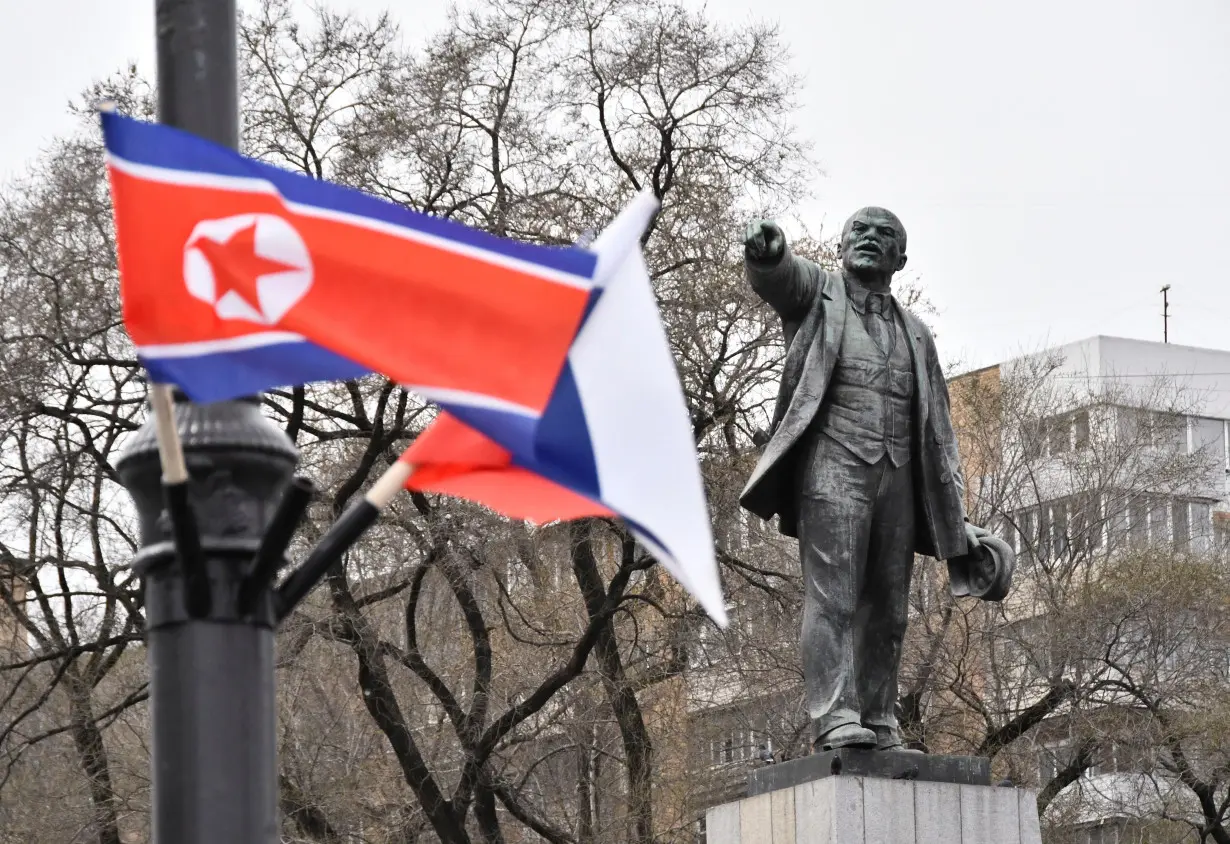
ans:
(209, 626)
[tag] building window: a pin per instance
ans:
(1102, 834)
(1012, 531)
(1028, 536)
(701, 653)
(1005, 530)
(1080, 429)
(1080, 530)
(1209, 438)
(1034, 437)
(1159, 529)
(1138, 523)
(1106, 760)
(1057, 435)
(1059, 529)
(1185, 525)
(1154, 428)
(1116, 529)
(1180, 527)
(1052, 759)
(1169, 431)
(1201, 526)
(736, 745)
(1058, 432)
(1101, 530)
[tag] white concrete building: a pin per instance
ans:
(1114, 444)
(1181, 394)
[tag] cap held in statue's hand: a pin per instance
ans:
(985, 572)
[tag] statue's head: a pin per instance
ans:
(873, 243)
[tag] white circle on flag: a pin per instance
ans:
(275, 241)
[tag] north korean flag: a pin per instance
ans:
(237, 277)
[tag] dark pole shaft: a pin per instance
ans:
(198, 82)
(212, 678)
(1165, 316)
(1165, 313)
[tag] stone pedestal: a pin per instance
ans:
(853, 809)
(846, 761)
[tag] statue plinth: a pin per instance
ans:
(875, 807)
(961, 770)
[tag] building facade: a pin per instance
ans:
(1082, 457)
(12, 635)
(1175, 399)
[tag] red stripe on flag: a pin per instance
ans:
(451, 458)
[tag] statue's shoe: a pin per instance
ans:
(890, 740)
(847, 735)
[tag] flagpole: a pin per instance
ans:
(170, 447)
(187, 539)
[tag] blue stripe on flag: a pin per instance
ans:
(592, 302)
(563, 451)
(156, 145)
(512, 431)
(555, 445)
(638, 528)
(217, 376)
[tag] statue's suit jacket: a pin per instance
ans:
(812, 304)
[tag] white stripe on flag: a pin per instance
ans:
(637, 418)
(212, 347)
(243, 184)
(441, 395)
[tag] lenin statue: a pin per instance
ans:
(862, 467)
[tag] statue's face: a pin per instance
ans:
(873, 241)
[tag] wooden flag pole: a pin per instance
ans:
(170, 447)
(184, 528)
(389, 484)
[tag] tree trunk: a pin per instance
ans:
(485, 813)
(91, 751)
(585, 789)
(638, 746)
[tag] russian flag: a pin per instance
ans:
(238, 277)
(614, 440)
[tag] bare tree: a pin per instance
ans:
(1096, 486)
(69, 393)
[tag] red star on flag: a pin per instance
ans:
(237, 265)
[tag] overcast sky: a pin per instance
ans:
(1056, 162)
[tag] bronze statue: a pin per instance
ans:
(862, 467)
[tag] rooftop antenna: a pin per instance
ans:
(1165, 314)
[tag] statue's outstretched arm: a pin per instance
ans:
(787, 282)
